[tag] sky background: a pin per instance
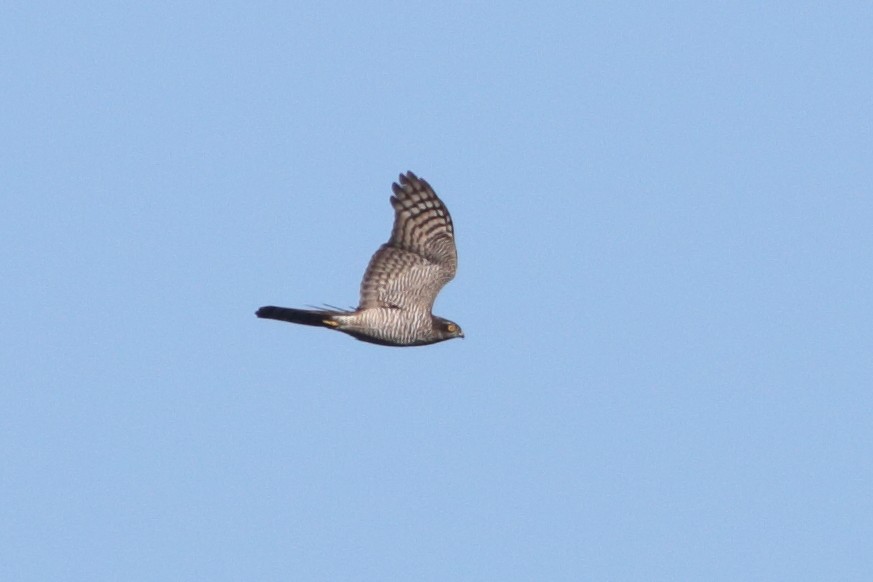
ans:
(664, 218)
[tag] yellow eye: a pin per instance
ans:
(452, 328)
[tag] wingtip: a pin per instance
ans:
(408, 178)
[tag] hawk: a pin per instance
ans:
(402, 280)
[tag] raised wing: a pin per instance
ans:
(420, 258)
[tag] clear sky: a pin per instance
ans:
(664, 218)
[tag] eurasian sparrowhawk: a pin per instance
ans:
(402, 280)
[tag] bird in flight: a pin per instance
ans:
(402, 280)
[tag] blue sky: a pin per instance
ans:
(664, 217)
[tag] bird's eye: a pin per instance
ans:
(452, 328)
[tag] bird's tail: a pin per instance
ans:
(316, 317)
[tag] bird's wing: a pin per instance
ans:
(420, 258)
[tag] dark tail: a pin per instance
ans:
(317, 318)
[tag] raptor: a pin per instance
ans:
(402, 280)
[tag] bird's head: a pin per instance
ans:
(447, 329)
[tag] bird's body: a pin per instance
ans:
(402, 280)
